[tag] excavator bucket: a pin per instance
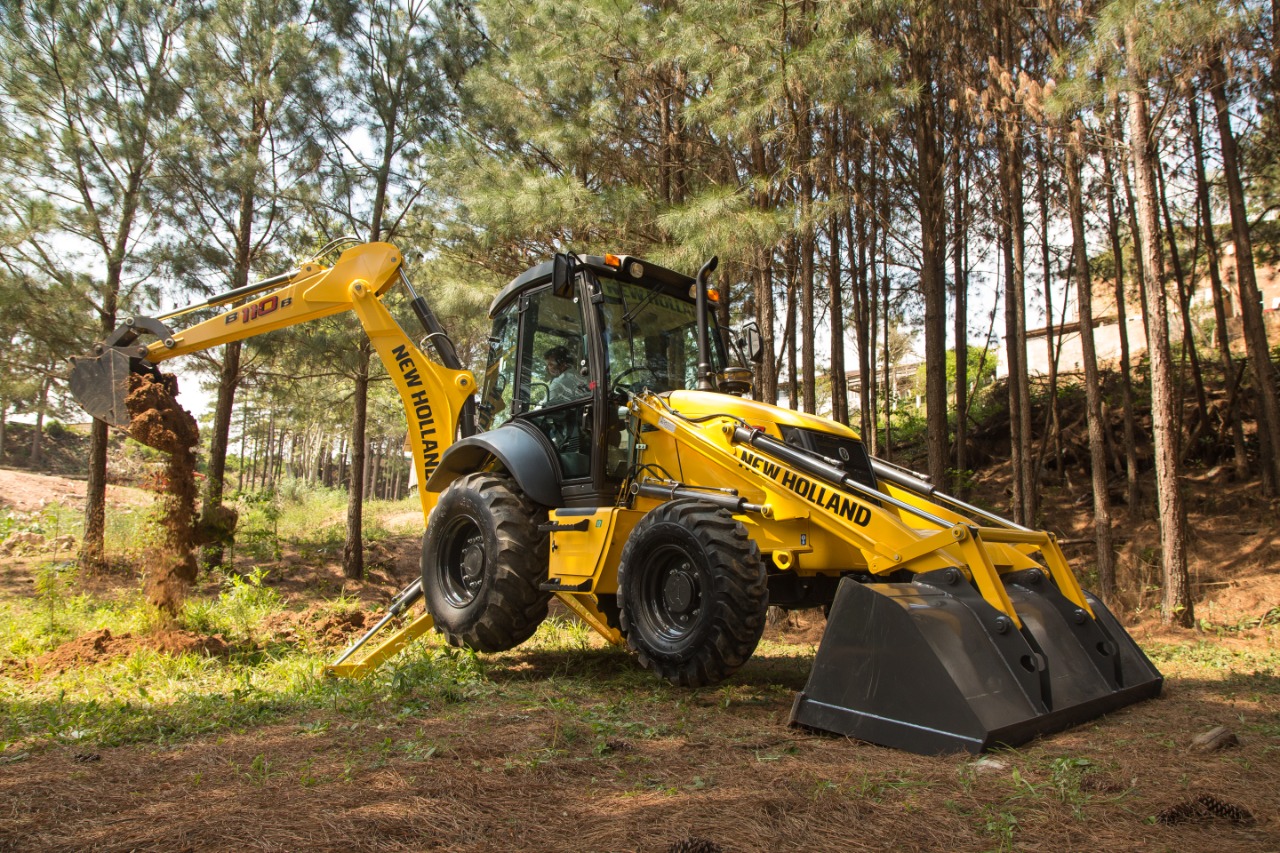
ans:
(930, 667)
(100, 384)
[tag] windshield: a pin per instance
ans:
(651, 339)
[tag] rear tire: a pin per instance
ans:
(693, 593)
(482, 562)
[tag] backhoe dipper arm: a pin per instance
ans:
(434, 396)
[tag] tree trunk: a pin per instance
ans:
(215, 483)
(839, 384)
(961, 277)
(863, 292)
(268, 451)
(277, 472)
(808, 355)
(92, 555)
(1092, 383)
(1015, 323)
(353, 550)
(1133, 496)
(37, 434)
(1054, 419)
(931, 190)
(1177, 605)
(1184, 305)
(1250, 299)
(1240, 458)
(889, 388)
(343, 461)
(789, 329)
(767, 377)
(244, 434)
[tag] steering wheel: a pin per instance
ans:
(546, 394)
(635, 386)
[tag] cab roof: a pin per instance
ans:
(628, 268)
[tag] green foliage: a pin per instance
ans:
(59, 612)
(238, 610)
(909, 427)
(980, 368)
(51, 521)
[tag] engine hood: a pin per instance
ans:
(696, 404)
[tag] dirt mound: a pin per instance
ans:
(101, 646)
(319, 624)
(158, 421)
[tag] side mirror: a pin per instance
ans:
(562, 276)
(752, 342)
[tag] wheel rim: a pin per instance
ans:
(460, 562)
(670, 608)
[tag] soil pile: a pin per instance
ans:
(158, 421)
(101, 645)
(319, 624)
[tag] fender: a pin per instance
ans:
(519, 448)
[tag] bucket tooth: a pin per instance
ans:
(930, 667)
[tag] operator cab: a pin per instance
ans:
(560, 363)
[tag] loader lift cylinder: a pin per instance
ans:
(825, 471)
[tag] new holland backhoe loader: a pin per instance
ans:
(612, 461)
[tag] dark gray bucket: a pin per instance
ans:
(100, 383)
(930, 667)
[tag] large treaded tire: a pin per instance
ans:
(482, 562)
(693, 593)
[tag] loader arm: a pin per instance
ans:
(951, 629)
(849, 525)
(434, 395)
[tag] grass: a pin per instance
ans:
(558, 702)
(1208, 658)
(155, 698)
(315, 520)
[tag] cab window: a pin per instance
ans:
(555, 390)
(651, 339)
(497, 396)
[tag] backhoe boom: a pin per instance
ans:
(434, 395)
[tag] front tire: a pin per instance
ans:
(482, 562)
(693, 593)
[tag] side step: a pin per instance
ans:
(930, 667)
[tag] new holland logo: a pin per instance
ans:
(815, 492)
(426, 425)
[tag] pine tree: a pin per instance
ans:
(395, 96)
(254, 70)
(90, 92)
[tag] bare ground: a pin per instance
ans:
(562, 750)
(27, 492)
(498, 776)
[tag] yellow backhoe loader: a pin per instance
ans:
(612, 461)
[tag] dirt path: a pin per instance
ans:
(26, 492)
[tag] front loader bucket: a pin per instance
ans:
(100, 384)
(930, 667)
